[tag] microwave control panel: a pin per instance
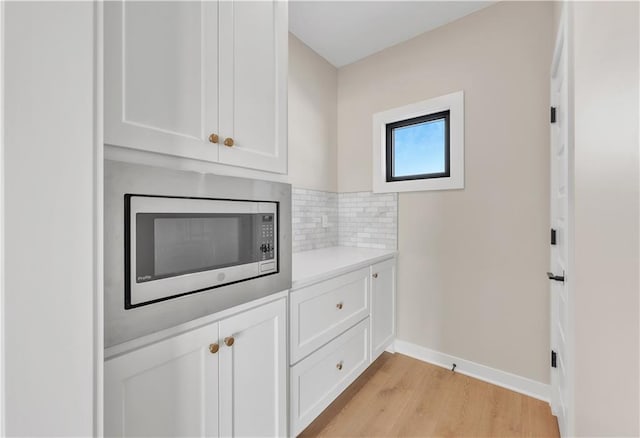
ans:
(267, 233)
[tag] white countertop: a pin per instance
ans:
(320, 264)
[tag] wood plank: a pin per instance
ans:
(353, 418)
(385, 407)
(341, 407)
(401, 396)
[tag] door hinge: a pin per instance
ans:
(553, 114)
(554, 359)
(553, 236)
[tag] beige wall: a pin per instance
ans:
(313, 87)
(471, 273)
(557, 15)
(605, 37)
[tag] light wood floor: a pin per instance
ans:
(401, 396)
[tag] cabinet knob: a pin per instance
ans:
(228, 341)
(228, 141)
(213, 138)
(375, 275)
(339, 365)
(213, 348)
(339, 306)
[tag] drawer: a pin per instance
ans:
(317, 380)
(322, 311)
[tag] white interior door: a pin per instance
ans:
(559, 275)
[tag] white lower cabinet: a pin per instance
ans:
(322, 311)
(338, 327)
(317, 380)
(253, 373)
(227, 378)
(383, 315)
(166, 389)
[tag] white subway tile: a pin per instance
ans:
(355, 219)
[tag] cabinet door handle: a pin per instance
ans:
(228, 341)
(339, 366)
(339, 306)
(228, 141)
(213, 348)
(375, 275)
(213, 138)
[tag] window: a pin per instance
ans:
(420, 146)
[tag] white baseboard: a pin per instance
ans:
(504, 379)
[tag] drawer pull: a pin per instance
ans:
(339, 365)
(339, 306)
(229, 341)
(375, 275)
(213, 348)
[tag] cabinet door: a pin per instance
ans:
(383, 287)
(253, 84)
(253, 372)
(161, 76)
(166, 389)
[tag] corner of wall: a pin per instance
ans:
(312, 100)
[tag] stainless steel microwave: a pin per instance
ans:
(180, 245)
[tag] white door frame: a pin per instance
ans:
(562, 64)
(98, 219)
(2, 402)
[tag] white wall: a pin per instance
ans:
(472, 263)
(2, 270)
(606, 284)
(49, 218)
(313, 88)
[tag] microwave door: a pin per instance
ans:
(178, 244)
(190, 249)
(184, 245)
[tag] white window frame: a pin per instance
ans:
(454, 103)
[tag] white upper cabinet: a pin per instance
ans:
(253, 83)
(198, 79)
(161, 77)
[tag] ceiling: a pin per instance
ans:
(346, 31)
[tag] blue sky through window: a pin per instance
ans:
(419, 149)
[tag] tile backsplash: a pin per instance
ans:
(368, 220)
(308, 209)
(361, 219)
